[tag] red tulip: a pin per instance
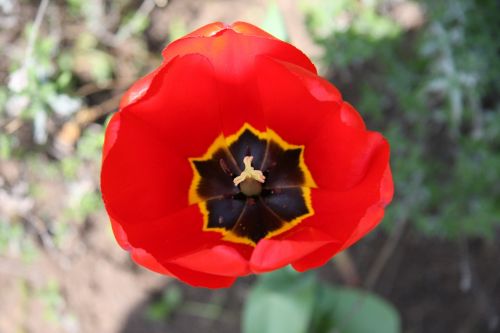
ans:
(234, 157)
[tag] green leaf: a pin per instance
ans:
(282, 301)
(354, 311)
(274, 22)
(171, 300)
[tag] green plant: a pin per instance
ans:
(15, 241)
(40, 86)
(52, 300)
(170, 300)
(432, 92)
(287, 301)
(350, 31)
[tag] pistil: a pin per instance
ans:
(250, 180)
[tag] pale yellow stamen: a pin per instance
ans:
(249, 172)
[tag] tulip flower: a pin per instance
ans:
(234, 157)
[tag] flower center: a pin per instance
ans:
(250, 180)
(251, 185)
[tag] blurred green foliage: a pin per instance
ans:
(5, 146)
(53, 301)
(350, 31)
(41, 85)
(50, 76)
(13, 242)
(292, 302)
(89, 58)
(173, 300)
(54, 305)
(433, 92)
(280, 302)
(170, 300)
(274, 22)
(348, 310)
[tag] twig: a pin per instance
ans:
(89, 115)
(465, 267)
(12, 125)
(344, 263)
(115, 40)
(70, 132)
(42, 9)
(483, 308)
(385, 254)
(126, 30)
(47, 241)
(42, 232)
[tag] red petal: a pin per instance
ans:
(271, 254)
(244, 98)
(141, 179)
(321, 256)
(318, 87)
(349, 215)
(189, 248)
(290, 109)
(120, 235)
(250, 30)
(375, 213)
(182, 104)
(208, 30)
(222, 260)
(339, 155)
(244, 28)
(198, 279)
(346, 231)
(138, 89)
(142, 176)
(233, 54)
(141, 257)
(339, 212)
(111, 134)
(138, 255)
(350, 116)
(178, 239)
(171, 237)
(317, 258)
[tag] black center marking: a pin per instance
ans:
(279, 202)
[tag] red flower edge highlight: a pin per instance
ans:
(212, 83)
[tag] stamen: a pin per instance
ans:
(224, 167)
(249, 172)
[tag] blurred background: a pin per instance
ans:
(425, 73)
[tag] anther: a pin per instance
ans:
(225, 168)
(250, 180)
(249, 172)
